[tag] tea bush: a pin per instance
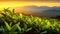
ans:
(11, 23)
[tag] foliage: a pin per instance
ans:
(11, 23)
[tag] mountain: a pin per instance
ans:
(40, 10)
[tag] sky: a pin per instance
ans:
(21, 3)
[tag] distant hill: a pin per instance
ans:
(40, 10)
(56, 17)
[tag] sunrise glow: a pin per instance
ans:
(4, 4)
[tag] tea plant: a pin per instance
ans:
(11, 23)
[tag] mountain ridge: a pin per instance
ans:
(40, 10)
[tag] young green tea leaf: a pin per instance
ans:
(7, 25)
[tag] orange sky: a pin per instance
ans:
(5, 4)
